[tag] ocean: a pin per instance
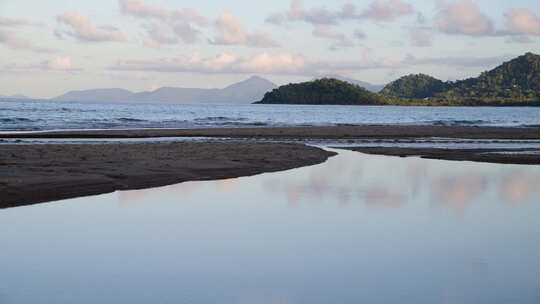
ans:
(48, 115)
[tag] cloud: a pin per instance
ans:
(10, 38)
(377, 10)
(322, 18)
(186, 32)
(387, 10)
(159, 35)
(519, 39)
(359, 35)
(521, 21)
(463, 61)
(80, 28)
(168, 26)
(15, 22)
(421, 37)
(229, 31)
(463, 17)
(59, 64)
(338, 39)
(140, 9)
(223, 63)
(263, 63)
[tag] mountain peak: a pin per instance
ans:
(414, 86)
(257, 79)
(254, 82)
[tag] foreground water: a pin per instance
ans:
(356, 229)
(48, 115)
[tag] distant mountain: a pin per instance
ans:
(375, 88)
(415, 86)
(243, 92)
(96, 95)
(517, 79)
(326, 91)
(17, 96)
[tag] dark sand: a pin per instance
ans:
(38, 173)
(337, 132)
(500, 156)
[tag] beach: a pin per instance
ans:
(387, 131)
(39, 173)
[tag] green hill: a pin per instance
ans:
(322, 92)
(514, 83)
(518, 78)
(415, 86)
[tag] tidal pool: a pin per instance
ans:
(356, 229)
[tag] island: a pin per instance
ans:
(514, 83)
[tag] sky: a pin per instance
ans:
(50, 47)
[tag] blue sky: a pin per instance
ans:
(49, 47)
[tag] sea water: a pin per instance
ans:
(48, 115)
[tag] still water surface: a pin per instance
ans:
(357, 229)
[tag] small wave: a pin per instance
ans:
(16, 120)
(459, 122)
(219, 118)
(241, 124)
(531, 126)
(124, 119)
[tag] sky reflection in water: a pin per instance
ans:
(357, 229)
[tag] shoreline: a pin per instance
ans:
(493, 156)
(312, 132)
(34, 174)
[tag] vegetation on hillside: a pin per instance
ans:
(514, 83)
(516, 79)
(322, 91)
(415, 86)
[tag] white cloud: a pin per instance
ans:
(463, 17)
(322, 18)
(13, 39)
(359, 35)
(229, 31)
(458, 61)
(263, 63)
(337, 38)
(377, 10)
(81, 28)
(140, 9)
(15, 22)
(186, 32)
(521, 21)
(421, 37)
(59, 64)
(168, 26)
(387, 10)
(62, 63)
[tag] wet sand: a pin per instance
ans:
(330, 132)
(34, 173)
(499, 156)
(39, 173)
